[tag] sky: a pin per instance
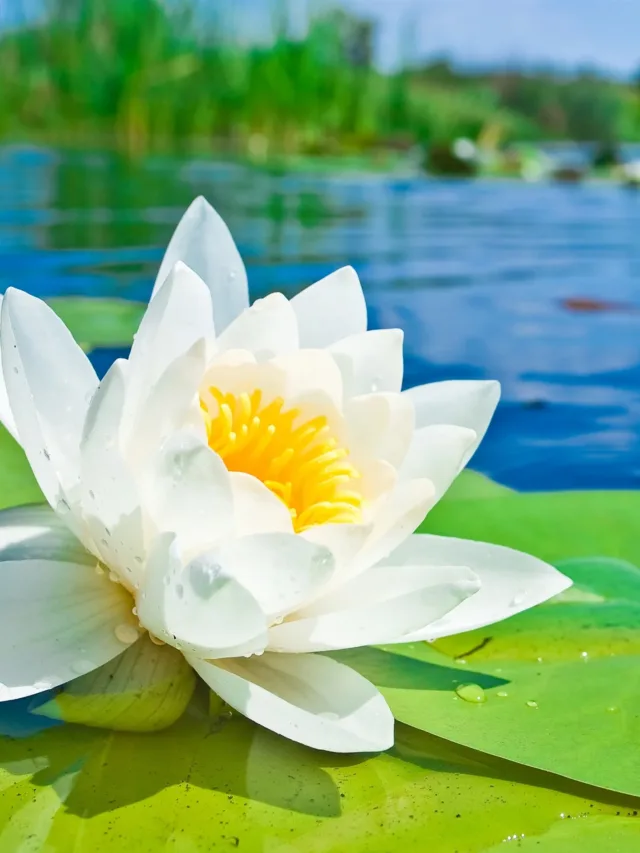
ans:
(566, 33)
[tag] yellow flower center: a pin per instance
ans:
(300, 461)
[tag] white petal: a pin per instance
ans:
(343, 540)
(463, 402)
(110, 499)
(510, 580)
(280, 570)
(309, 372)
(171, 405)
(380, 426)
(203, 242)
(331, 309)
(397, 516)
(256, 508)
(58, 620)
(178, 316)
(309, 698)
(439, 453)
(381, 605)
(370, 362)
(198, 608)
(6, 415)
(38, 533)
(190, 493)
(50, 382)
(268, 328)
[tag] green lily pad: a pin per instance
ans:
(556, 687)
(471, 484)
(553, 526)
(17, 483)
(208, 783)
(99, 322)
(601, 835)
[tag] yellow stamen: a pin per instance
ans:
(300, 462)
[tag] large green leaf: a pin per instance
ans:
(557, 687)
(553, 526)
(212, 783)
(17, 483)
(99, 322)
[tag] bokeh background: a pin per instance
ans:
(477, 161)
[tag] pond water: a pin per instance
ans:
(535, 285)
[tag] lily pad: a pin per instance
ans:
(99, 322)
(17, 483)
(553, 526)
(556, 688)
(208, 783)
(471, 484)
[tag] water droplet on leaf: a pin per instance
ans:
(471, 693)
(530, 703)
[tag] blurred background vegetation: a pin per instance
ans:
(144, 75)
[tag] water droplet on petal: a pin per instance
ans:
(155, 640)
(517, 600)
(138, 560)
(46, 454)
(205, 578)
(471, 693)
(530, 703)
(99, 570)
(114, 577)
(134, 610)
(63, 507)
(180, 590)
(126, 633)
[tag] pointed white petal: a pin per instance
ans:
(310, 372)
(331, 309)
(370, 362)
(267, 329)
(178, 316)
(58, 620)
(6, 415)
(49, 382)
(510, 580)
(379, 426)
(439, 453)
(109, 495)
(171, 405)
(198, 608)
(203, 242)
(256, 508)
(280, 570)
(190, 493)
(467, 403)
(308, 698)
(381, 605)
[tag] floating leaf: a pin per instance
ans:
(560, 684)
(201, 786)
(145, 689)
(471, 484)
(99, 322)
(553, 526)
(17, 483)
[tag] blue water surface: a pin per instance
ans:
(535, 285)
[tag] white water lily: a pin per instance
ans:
(251, 479)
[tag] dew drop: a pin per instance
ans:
(82, 667)
(322, 559)
(584, 655)
(613, 709)
(99, 570)
(92, 494)
(138, 560)
(530, 703)
(126, 633)
(46, 454)
(471, 693)
(156, 640)
(180, 590)
(134, 610)
(517, 600)
(204, 578)
(114, 577)
(63, 507)
(502, 693)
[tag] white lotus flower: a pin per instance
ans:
(251, 477)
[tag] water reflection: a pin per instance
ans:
(481, 276)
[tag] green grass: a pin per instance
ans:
(147, 75)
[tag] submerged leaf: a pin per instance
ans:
(145, 689)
